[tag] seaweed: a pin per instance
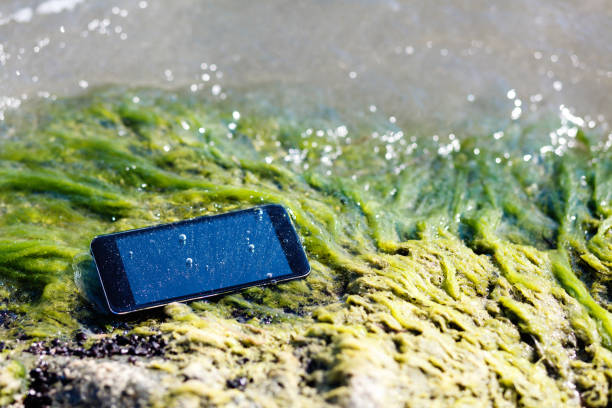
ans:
(471, 270)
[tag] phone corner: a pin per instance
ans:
(113, 311)
(307, 270)
(94, 242)
(91, 244)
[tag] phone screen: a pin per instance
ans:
(199, 257)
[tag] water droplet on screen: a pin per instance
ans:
(251, 247)
(183, 239)
(268, 275)
(189, 262)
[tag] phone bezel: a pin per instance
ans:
(115, 284)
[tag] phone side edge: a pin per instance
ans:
(293, 250)
(111, 309)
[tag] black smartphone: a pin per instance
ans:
(198, 258)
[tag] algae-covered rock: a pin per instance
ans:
(465, 271)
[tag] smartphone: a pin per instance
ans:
(198, 258)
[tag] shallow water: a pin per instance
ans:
(444, 67)
(459, 255)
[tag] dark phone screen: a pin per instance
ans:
(209, 254)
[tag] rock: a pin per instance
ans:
(91, 382)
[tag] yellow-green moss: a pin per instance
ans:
(477, 277)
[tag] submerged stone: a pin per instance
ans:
(472, 272)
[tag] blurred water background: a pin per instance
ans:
(448, 66)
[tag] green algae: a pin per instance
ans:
(477, 275)
(12, 380)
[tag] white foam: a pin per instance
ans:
(23, 15)
(57, 6)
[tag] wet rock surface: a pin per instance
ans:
(7, 317)
(130, 345)
(62, 381)
(85, 383)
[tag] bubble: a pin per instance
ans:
(259, 212)
(189, 262)
(131, 253)
(268, 275)
(251, 247)
(183, 239)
